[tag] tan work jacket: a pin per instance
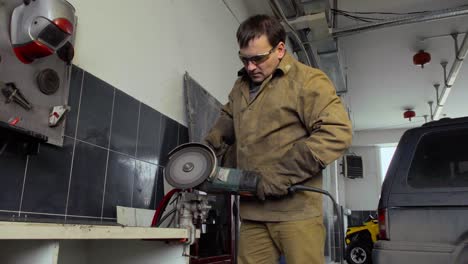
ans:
(294, 127)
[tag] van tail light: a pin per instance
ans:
(383, 224)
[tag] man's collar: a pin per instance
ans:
(283, 67)
(285, 64)
(242, 72)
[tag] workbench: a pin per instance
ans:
(41, 243)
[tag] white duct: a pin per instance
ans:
(453, 74)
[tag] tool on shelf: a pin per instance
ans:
(13, 94)
(57, 113)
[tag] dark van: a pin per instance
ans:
(423, 208)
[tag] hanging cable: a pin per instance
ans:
(358, 15)
(401, 20)
(274, 5)
(360, 18)
(378, 13)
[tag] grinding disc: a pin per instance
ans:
(189, 165)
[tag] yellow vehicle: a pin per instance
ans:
(360, 241)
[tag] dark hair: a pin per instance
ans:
(258, 25)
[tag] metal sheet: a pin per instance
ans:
(202, 109)
(24, 77)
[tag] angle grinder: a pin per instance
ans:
(194, 165)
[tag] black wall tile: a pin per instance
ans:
(129, 182)
(95, 111)
(149, 146)
(41, 218)
(169, 138)
(109, 221)
(83, 220)
(46, 185)
(119, 183)
(87, 182)
(183, 134)
(144, 185)
(11, 175)
(8, 216)
(124, 123)
(74, 93)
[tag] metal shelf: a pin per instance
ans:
(25, 141)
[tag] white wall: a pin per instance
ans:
(389, 137)
(363, 194)
(144, 47)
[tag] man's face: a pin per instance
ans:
(260, 59)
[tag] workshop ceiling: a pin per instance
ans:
(382, 80)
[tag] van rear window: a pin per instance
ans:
(441, 160)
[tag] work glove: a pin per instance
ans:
(272, 185)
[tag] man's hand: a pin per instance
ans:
(271, 185)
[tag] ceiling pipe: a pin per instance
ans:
(276, 7)
(460, 55)
(426, 17)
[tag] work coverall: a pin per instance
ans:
(294, 127)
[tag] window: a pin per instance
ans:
(386, 155)
(441, 160)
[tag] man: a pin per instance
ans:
(287, 124)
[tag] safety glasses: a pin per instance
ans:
(256, 59)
